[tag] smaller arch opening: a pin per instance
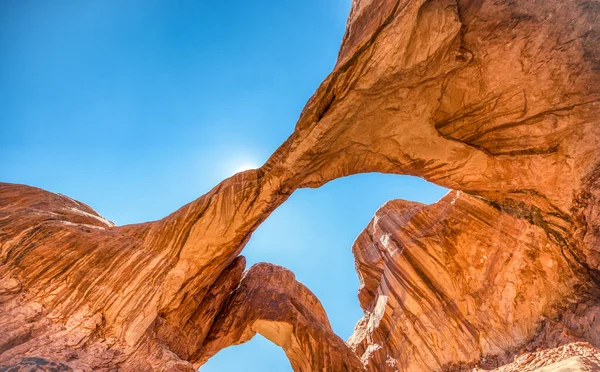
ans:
(258, 354)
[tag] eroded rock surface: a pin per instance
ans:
(498, 99)
(271, 302)
(464, 282)
(573, 357)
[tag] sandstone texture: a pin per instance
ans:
(495, 99)
(464, 282)
(577, 356)
(270, 301)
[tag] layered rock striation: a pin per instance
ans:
(495, 99)
(271, 302)
(465, 282)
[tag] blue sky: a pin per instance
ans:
(138, 107)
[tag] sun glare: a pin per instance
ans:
(244, 167)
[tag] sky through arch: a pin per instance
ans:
(312, 235)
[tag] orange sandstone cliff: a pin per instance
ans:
(497, 100)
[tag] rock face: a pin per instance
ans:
(496, 99)
(577, 356)
(270, 301)
(463, 281)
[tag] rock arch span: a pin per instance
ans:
(496, 99)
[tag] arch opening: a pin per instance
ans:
(257, 354)
(312, 234)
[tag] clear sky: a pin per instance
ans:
(138, 107)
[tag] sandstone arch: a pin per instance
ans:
(271, 302)
(496, 99)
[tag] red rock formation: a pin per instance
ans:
(578, 356)
(271, 302)
(462, 281)
(498, 99)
